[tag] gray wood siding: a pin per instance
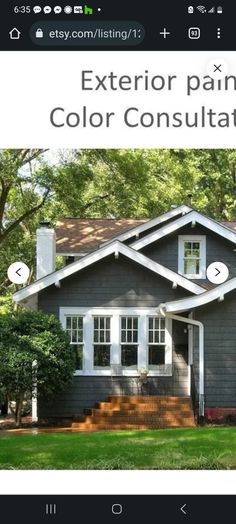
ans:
(115, 283)
(84, 392)
(219, 319)
(165, 250)
(110, 283)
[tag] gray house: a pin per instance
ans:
(150, 309)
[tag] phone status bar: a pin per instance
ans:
(170, 28)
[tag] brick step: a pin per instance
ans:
(138, 413)
(128, 426)
(134, 412)
(120, 416)
(133, 399)
(106, 406)
(137, 419)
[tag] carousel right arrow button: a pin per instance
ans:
(217, 273)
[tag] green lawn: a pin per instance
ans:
(199, 448)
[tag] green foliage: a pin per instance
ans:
(143, 183)
(6, 305)
(133, 183)
(27, 336)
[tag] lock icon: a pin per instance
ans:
(190, 10)
(39, 33)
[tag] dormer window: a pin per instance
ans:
(192, 256)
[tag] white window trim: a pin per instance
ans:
(102, 343)
(192, 238)
(130, 368)
(116, 314)
(168, 340)
(76, 343)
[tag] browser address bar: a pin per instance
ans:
(73, 33)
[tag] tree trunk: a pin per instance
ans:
(19, 404)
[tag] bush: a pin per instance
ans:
(33, 349)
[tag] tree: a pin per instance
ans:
(27, 337)
(23, 188)
(125, 183)
(143, 183)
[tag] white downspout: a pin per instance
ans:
(34, 395)
(201, 351)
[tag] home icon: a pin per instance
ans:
(15, 34)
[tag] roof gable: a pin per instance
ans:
(149, 224)
(192, 216)
(115, 248)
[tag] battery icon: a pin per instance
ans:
(219, 10)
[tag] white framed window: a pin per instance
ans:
(192, 256)
(129, 341)
(101, 342)
(156, 342)
(74, 328)
(107, 337)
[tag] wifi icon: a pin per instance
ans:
(201, 9)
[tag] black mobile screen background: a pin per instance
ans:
(166, 27)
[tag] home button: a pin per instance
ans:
(117, 509)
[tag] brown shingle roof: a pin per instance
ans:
(84, 235)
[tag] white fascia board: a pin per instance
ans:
(200, 300)
(193, 216)
(72, 254)
(151, 223)
(66, 271)
(115, 247)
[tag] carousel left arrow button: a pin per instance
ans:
(18, 273)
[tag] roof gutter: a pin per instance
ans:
(200, 326)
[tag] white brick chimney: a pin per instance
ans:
(46, 250)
